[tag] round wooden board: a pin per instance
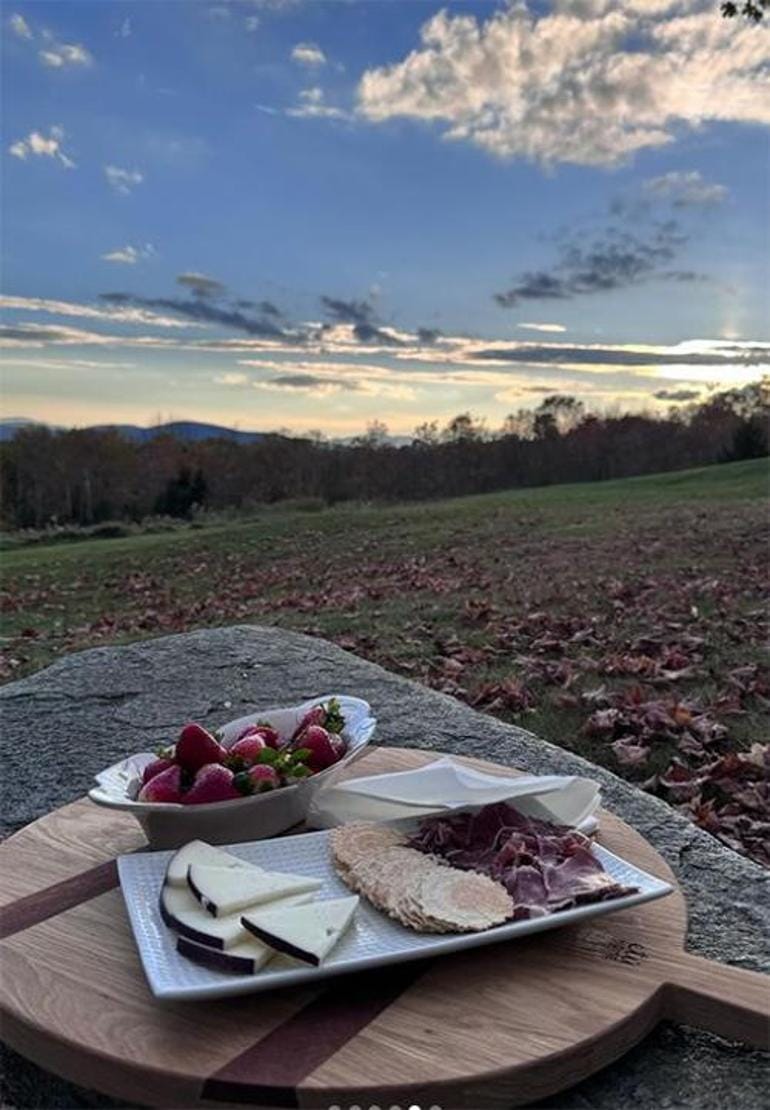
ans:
(501, 1025)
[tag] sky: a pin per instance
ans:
(293, 214)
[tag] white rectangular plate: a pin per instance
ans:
(372, 940)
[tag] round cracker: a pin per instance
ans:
(350, 843)
(464, 901)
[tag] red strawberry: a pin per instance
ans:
(314, 716)
(270, 735)
(155, 768)
(213, 783)
(263, 778)
(325, 747)
(196, 747)
(248, 748)
(164, 787)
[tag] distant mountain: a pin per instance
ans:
(10, 425)
(189, 430)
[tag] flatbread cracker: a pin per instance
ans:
(350, 843)
(420, 891)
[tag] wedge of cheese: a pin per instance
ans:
(307, 933)
(223, 890)
(245, 958)
(181, 912)
(197, 851)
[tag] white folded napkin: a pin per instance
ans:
(446, 785)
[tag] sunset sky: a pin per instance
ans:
(298, 214)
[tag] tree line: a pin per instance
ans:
(85, 477)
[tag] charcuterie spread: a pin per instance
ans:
(473, 870)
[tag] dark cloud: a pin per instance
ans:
(677, 394)
(309, 381)
(368, 333)
(534, 285)
(557, 353)
(34, 332)
(202, 311)
(267, 308)
(615, 259)
(428, 335)
(362, 316)
(348, 312)
(200, 285)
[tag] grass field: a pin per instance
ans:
(623, 620)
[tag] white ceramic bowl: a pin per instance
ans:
(169, 825)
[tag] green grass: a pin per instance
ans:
(523, 603)
(421, 522)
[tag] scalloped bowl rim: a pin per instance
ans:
(363, 725)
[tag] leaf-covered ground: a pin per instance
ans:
(625, 621)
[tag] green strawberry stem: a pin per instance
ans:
(334, 721)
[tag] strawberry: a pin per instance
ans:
(263, 778)
(213, 783)
(314, 716)
(155, 768)
(246, 750)
(324, 748)
(163, 787)
(196, 747)
(270, 735)
(328, 716)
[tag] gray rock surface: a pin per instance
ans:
(88, 710)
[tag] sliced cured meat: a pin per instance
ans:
(543, 866)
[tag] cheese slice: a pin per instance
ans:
(307, 933)
(197, 851)
(223, 890)
(181, 912)
(245, 958)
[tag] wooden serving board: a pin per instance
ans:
(502, 1025)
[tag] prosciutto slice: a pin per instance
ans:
(544, 867)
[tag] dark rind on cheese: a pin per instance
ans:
(186, 930)
(279, 945)
(215, 958)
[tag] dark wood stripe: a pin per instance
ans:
(37, 907)
(267, 1073)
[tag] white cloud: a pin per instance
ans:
(125, 29)
(129, 255)
(123, 181)
(124, 315)
(686, 189)
(591, 83)
(542, 327)
(313, 105)
(251, 23)
(41, 146)
(67, 364)
(232, 379)
(59, 55)
(308, 54)
(19, 26)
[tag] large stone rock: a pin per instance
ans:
(69, 721)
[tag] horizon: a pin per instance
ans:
(273, 214)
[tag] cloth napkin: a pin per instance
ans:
(446, 785)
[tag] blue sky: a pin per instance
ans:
(428, 209)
